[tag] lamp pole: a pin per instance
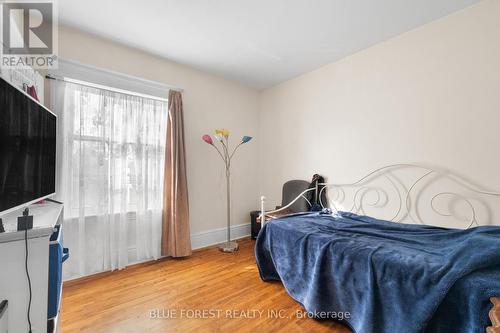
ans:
(228, 246)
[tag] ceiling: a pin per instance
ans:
(256, 42)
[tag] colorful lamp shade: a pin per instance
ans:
(246, 138)
(208, 139)
(224, 132)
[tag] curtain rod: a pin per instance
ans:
(146, 82)
(103, 87)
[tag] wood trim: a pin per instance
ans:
(494, 316)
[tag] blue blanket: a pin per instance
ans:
(388, 277)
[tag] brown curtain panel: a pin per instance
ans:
(176, 241)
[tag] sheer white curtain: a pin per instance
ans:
(110, 176)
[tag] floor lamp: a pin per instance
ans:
(222, 136)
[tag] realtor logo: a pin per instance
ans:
(28, 34)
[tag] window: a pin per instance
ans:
(115, 146)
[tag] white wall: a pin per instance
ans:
(431, 95)
(209, 102)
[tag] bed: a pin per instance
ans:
(377, 275)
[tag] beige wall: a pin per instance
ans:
(209, 102)
(431, 95)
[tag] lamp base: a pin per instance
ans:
(229, 247)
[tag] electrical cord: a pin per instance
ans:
(28, 275)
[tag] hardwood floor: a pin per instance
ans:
(494, 316)
(228, 285)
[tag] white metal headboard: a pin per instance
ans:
(411, 193)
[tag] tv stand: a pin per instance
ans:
(14, 286)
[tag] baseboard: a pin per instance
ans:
(204, 239)
(216, 236)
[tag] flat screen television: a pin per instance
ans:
(27, 149)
